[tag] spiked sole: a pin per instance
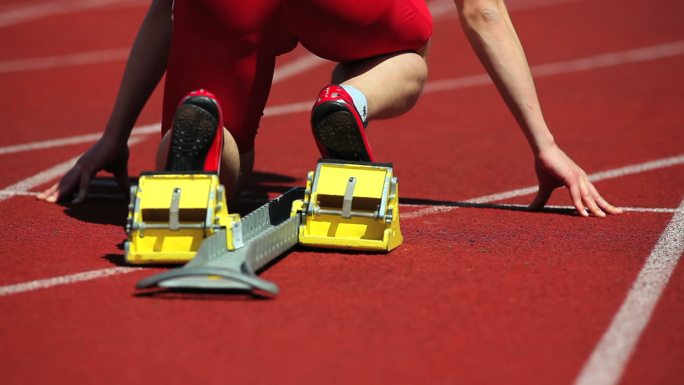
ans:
(339, 134)
(194, 130)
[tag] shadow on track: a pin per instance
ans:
(262, 187)
(507, 207)
(116, 259)
(203, 295)
(107, 205)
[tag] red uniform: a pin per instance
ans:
(229, 46)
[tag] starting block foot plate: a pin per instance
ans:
(351, 205)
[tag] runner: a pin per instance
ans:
(229, 48)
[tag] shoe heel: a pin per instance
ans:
(337, 126)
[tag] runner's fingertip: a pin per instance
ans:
(610, 209)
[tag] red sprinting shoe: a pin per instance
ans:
(197, 134)
(337, 126)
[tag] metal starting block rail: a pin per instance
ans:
(345, 205)
(267, 232)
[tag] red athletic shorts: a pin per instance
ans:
(229, 46)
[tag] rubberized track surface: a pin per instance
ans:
(480, 293)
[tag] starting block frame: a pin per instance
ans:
(170, 214)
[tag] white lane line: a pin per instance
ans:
(642, 209)
(441, 8)
(64, 280)
(286, 109)
(297, 66)
(71, 140)
(660, 51)
(603, 175)
(70, 60)
(610, 59)
(637, 168)
(38, 179)
(51, 143)
(610, 356)
(46, 176)
(91, 195)
(655, 210)
(38, 11)
(11, 194)
(426, 211)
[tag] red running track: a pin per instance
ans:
(478, 294)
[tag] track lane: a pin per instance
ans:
(482, 265)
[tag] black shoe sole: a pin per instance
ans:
(193, 132)
(339, 134)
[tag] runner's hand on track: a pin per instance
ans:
(104, 155)
(555, 169)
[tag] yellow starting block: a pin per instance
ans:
(171, 214)
(350, 205)
(181, 217)
(346, 205)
